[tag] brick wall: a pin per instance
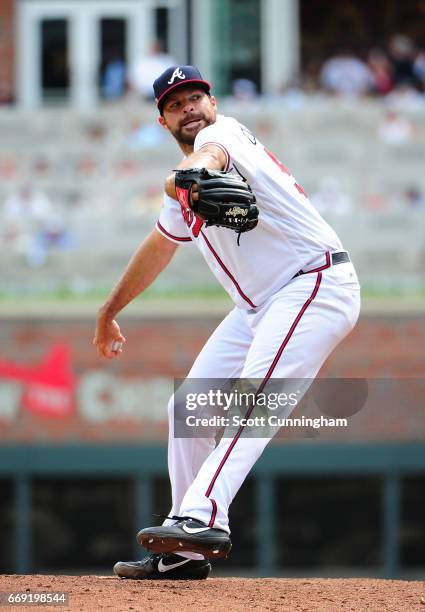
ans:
(7, 8)
(53, 385)
(381, 346)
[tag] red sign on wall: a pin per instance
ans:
(48, 387)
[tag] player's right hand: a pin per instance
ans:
(108, 339)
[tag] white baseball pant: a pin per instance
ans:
(289, 336)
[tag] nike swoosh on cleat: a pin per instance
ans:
(194, 529)
(166, 568)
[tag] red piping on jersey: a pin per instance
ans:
(325, 267)
(223, 148)
(164, 231)
(229, 274)
(261, 387)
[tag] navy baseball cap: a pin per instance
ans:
(174, 77)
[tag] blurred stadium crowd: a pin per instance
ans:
(350, 129)
(397, 72)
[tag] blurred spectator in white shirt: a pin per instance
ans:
(346, 75)
(143, 73)
(405, 97)
(30, 226)
(331, 198)
(25, 207)
(395, 129)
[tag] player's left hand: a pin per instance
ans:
(219, 198)
(194, 193)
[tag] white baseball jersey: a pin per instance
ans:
(290, 233)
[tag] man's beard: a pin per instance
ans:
(189, 139)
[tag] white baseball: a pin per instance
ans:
(116, 345)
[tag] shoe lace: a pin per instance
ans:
(149, 557)
(174, 517)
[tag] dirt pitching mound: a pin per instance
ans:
(94, 593)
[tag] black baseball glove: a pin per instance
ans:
(224, 200)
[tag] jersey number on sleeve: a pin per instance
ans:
(285, 170)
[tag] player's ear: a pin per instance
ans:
(162, 122)
(213, 101)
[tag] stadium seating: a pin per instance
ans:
(103, 173)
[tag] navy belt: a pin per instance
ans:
(332, 259)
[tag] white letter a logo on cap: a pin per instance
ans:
(177, 74)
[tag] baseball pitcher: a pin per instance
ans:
(295, 292)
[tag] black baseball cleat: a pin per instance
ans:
(187, 534)
(163, 567)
